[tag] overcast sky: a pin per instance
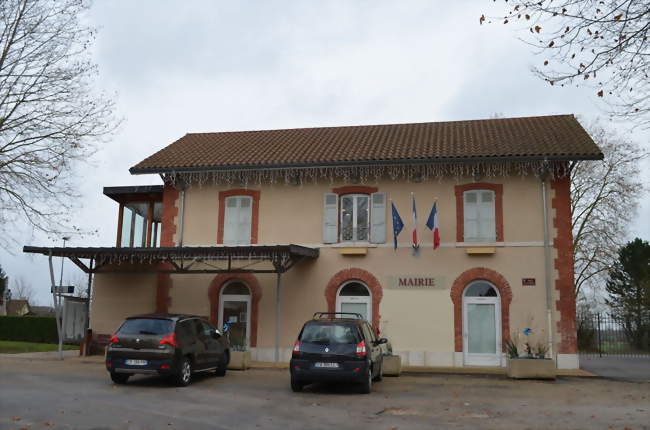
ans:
(201, 66)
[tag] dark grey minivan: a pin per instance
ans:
(166, 344)
(337, 346)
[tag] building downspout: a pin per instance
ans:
(548, 270)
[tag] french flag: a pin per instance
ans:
(415, 225)
(432, 223)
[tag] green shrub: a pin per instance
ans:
(28, 329)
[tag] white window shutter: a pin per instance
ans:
(487, 216)
(471, 216)
(245, 220)
(378, 218)
(330, 217)
(231, 221)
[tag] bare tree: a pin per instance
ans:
(22, 290)
(604, 198)
(50, 116)
(601, 43)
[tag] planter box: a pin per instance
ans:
(530, 368)
(392, 365)
(239, 360)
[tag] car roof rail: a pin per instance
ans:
(331, 315)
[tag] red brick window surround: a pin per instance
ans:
(457, 290)
(214, 295)
(460, 211)
(255, 214)
(354, 189)
(354, 274)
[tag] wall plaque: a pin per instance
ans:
(528, 282)
(415, 282)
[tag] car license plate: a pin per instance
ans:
(327, 365)
(135, 362)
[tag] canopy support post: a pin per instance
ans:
(278, 316)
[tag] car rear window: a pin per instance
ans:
(329, 333)
(146, 326)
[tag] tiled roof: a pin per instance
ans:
(553, 137)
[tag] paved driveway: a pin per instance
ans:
(624, 368)
(47, 394)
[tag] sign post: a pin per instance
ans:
(57, 307)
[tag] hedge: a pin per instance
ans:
(28, 329)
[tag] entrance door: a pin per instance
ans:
(355, 297)
(234, 313)
(481, 325)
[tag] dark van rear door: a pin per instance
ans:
(331, 342)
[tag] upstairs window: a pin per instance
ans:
(354, 218)
(238, 217)
(479, 216)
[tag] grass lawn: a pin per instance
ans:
(14, 347)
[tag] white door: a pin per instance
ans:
(481, 325)
(234, 313)
(354, 297)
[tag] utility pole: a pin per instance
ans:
(58, 304)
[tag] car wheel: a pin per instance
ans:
(119, 378)
(296, 386)
(366, 385)
(380, 376)
(184, 375)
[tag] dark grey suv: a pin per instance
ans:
(164, 344)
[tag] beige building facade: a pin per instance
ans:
(504, 261)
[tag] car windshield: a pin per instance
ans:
(146, 326)
(329, 333)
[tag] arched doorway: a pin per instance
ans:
(235, 313)
(482, 324)
(355, 297)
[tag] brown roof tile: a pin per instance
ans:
(558, 137)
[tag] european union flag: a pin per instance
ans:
(398, 224)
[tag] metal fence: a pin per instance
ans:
(611, 335)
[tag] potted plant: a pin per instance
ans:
(391, 364)
(532, 362)
(240, 358)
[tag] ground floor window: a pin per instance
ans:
(354, 296)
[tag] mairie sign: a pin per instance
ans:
(415, 282)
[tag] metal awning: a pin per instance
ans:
(183, 259)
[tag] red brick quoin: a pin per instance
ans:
(460, 209)
(168, 229)
(563, 243)
(214, 294)
(480, 273)
(255, 211)
(355, 274)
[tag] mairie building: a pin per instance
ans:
(258, 230)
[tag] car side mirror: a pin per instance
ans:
(381, 341)
(216, 334)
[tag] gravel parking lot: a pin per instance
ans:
(49, 394)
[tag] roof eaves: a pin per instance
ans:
(551, 157)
